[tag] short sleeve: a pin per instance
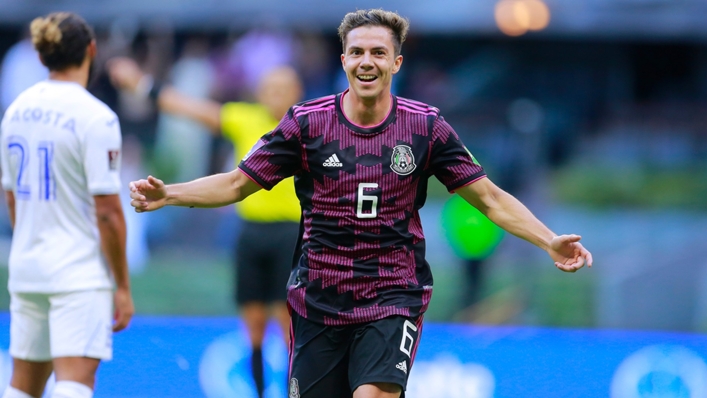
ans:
(450, 161)
(275, 156)
(102, 155)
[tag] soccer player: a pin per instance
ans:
(60, 159)
(361, 161)
(271, 218)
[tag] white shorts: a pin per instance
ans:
(74, 324)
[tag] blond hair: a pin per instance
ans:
(61, 38)
(397, 24)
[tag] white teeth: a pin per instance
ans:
(367, 77)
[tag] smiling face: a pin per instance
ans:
(370, 62)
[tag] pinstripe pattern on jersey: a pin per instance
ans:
(361, 269)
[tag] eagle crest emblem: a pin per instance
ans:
(402, 161)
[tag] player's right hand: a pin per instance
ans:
(124, 73)
(124, 309)
(148, 195)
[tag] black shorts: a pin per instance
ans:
(264, 253)
(332, 361)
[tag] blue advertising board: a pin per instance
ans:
(209, 357)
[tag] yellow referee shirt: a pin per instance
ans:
(243, 124)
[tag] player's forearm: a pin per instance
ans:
(510, 214)
(112, 229)
(507, 212)
(213, 191)
(205, 111)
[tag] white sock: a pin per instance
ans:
(71, 389)
(12, 392)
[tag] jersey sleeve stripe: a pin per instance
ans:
(417, 107)
(314, 106)
(253, 177)
(417, 111)
(467, 181)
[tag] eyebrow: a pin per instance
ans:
(373, 49)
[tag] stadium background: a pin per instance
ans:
(593, 112)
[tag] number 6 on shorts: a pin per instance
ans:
(407, 336)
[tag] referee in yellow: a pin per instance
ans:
(263, 254)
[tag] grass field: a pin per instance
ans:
(180, 282)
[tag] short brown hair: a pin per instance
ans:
(397, 24)
(61, 38)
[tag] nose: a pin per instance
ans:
(366, 62)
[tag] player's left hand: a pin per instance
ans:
(124, 309)
(568, 253)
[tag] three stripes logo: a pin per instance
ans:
(402, 366)
(333, 161)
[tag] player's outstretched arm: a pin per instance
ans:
(213, 191)
(112, 230)
(510, 214)
(125, 74)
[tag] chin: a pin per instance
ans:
(367, 93)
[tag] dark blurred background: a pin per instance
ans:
(592, 112)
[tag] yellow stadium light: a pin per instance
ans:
(539, 14)
(506, 18)
(516, 17)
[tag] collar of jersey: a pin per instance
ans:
(366, 130)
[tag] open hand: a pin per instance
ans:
(568, 253)
(124, 73)
(147, 195)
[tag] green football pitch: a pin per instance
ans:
(184, 282)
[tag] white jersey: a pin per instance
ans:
(60, 146)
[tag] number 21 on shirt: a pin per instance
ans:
(19, 149)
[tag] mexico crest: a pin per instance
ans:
(402, 161)
(294, 388)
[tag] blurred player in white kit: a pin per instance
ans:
(60, 157)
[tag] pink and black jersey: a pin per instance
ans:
(363, 250)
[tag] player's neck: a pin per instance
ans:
(366, 112)
(74, 74)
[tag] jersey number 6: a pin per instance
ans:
(408, 340)
(362, 198)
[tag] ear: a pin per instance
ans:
(397, 64)
(92, 49)
(343, 61)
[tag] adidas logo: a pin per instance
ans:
(333, 161)
(402, 366)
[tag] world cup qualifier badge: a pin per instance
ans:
(113, 159)
(294, 388)
(402, 161)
